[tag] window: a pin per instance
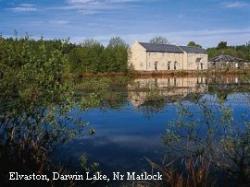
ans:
(175, 65)
(198, 63)
(169, 65)
(198, 59)
(156, 65)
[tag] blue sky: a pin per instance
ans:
(204, 21)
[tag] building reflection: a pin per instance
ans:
(151, 90)
(169, 89)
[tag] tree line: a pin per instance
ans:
(90, 56)
(240, 51)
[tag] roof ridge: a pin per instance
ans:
(152, 47)
(190, 46)
(156, 43)
(226, 57)
(181, 48)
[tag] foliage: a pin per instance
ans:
(222, 45)
(115, 56)
(88, 167)
(240, 51)
(193, 44)
(194, 172)
(91, 56)
(88, 56)
(159, 40)
(103, 92)
(154, 102)
(223, 144)
(35, 98)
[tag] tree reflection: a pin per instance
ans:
(102, 92)
(153, 103)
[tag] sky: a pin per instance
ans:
(204, 21)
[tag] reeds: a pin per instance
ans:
(193, 172)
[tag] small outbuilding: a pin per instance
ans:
(227, 62)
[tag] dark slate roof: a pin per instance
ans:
(226, 58)
(161, 48)
(193, 49)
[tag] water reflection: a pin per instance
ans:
(125, 136)
(210, 128)
(168, 89)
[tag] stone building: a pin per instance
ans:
(227, 62)
(166, 57)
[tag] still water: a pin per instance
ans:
(133, 128)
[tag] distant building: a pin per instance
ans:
(227, 62)
(166, 57)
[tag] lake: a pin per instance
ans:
(138, 119)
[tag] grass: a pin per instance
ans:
(194, 172)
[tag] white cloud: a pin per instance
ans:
(236, 4)
(59, 22)
(25, 7)
(95, 6)
(100, 1)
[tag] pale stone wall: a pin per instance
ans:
(140, 60)
(137, 57)
(228, 65)
(185, 61)
(164, 61)
(194, 64)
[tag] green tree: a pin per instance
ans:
(35, 98)
(91, 56)
(116, 42)
(159, 40)
(193, 44)
(115, 55)
(222, 45)
(87, 57)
